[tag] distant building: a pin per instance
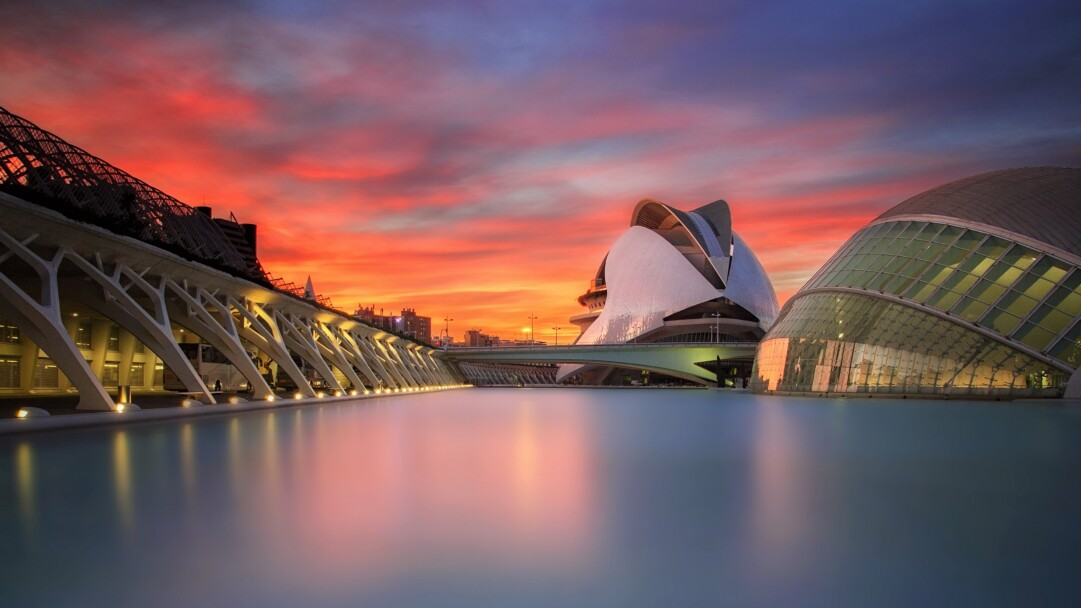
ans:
(676, 276)
(407, 322)
(972, 288)
(475, 338)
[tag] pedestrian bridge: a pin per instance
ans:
(674, 359)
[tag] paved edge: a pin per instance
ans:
(14, 426)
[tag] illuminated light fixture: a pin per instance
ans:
(74, 314)
(338, 392)
(354, 393)
(298, 396)
(189, 402)
(367, 392)
(235, 400)
(320, 394)
(31, 412)
(120, 407)
(271, 398)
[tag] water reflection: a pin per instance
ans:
(778, 509)
(24, 488)
(122, 483)
(562, 497)
(188, 475)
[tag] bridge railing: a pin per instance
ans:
(580, 347)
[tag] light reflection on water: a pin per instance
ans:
(551, 497)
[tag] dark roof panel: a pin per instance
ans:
(1043, 203)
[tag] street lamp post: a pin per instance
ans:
(446, 338)
(557, 334)
(532, 318)
(716, 326)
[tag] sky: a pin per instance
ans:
(475, 160)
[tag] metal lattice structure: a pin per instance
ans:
(43, 169)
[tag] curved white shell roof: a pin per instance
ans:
(647, 279)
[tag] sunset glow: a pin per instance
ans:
(477, 160)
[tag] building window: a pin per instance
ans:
(110, 374)
(137, 374)
(82, 334)
(114, 338)
(46, 374)
(159, 374)
(9, 334)
(9, 373)
(140, 347)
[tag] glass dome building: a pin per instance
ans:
(969, 289)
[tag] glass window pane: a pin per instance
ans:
(1034, 335)
(896, 264)
(960, 282)
(993, 247)
(878, 262)
(1020, 256)
(931, 251)
(929, 231)
(895, 247)
(916, 268)
(1000, 321)
(1004, 274)
(948, 235)
(898, 285)
(943, 299)
(919, 291)
(1033, 286)
(879, 282)
(1050, 269)
(1017, 304)
(911, 230)
(969, 240)
(936, 274)
(986, 291)
(969, 309)
(1068, 349)
(1067, 298)
(1051, 319)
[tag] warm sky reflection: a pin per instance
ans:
(476, 159)
(551, 497)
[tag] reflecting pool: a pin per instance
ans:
(553, 497)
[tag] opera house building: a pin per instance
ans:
(972, 288)
(675, 276)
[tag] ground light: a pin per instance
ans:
(31, 412)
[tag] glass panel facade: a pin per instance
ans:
(1025, 295)
(851, 343)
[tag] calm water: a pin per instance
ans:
(550, 498)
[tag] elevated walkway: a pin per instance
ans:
(674, 359)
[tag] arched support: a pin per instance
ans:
(217, 330)
(155, 332)
(348, 343)
(299, 337)
(330, 345)
(40, 319)
(261, 328)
